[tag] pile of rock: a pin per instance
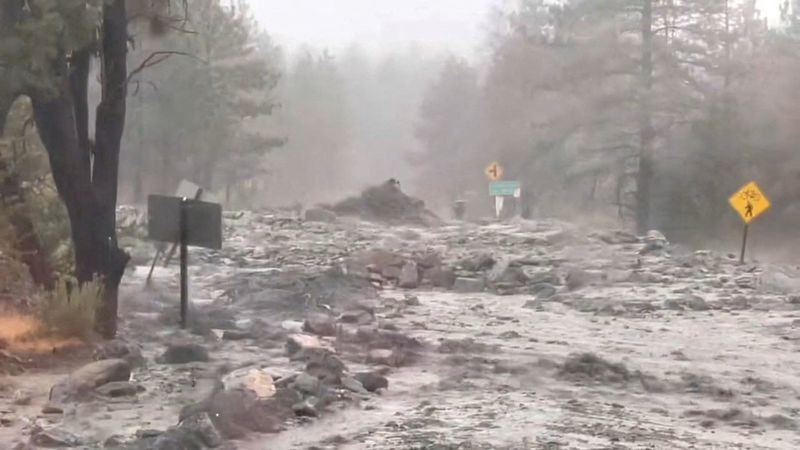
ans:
(385, 203)
(410, 270)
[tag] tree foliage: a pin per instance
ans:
(575, 96)
(221, 80)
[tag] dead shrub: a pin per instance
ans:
(69, 311)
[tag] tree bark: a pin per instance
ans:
(90, 191)
(109, 259)
(646, 134)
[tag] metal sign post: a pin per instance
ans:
(744, 242)
(184, 263)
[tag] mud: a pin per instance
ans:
(636, 346)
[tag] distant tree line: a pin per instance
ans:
(650, 111)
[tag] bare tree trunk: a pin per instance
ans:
(646, 133)
(110, 260)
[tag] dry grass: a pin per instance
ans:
(69, 311)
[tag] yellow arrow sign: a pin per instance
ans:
(749, 202)
(494, 171)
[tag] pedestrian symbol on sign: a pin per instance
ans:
(749, 202)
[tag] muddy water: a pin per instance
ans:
(500, 388)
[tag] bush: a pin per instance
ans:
(69, 311)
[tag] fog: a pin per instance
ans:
(485, 224)
(309, 102)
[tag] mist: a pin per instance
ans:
(494, 224)
(285, 111)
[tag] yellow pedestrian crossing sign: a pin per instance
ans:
(749, 202)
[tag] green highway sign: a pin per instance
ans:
(504, 188)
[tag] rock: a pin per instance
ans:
(618, 237)
(409, 300)
(326, 366)
(202, 427)
(235, 413)
(386, 357)
(588, 366)
(697, 303)
(305, 343)
(119, 389)
(578, 278)
(442, 277)
(543, 291)
(201, 395)
(549, 277)
(654, 241)
(21, 397)
(409, 276)
(479, 263)
(352, 384)
(392, 273)
(372, 381)
(306, 383)
(612, 310)
(184, 353)
(258, 381)
(306, 408)
(387, 203)
(510, 275)
(54, 438)
(358, 316)
(673, 305)
(83, 381)
(320, 215)
(118, 349)
(236, 335)
(320, 325)
(175, 438)
(114, 441)
(428, 260)
(52, 409)
(465, 285)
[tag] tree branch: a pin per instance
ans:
(158, 57)
(79, 88)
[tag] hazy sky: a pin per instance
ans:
(456, 24)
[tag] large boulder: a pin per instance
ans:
(258, 381)
(54, 438)
(81, 383)
(372, 381)
(236, 412)
(118, 349)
